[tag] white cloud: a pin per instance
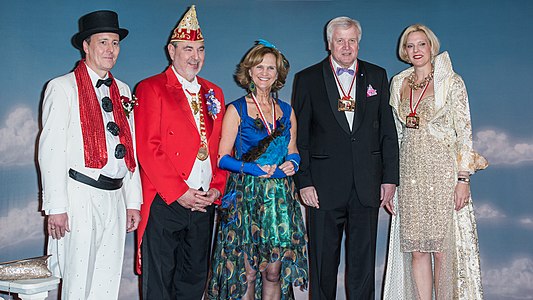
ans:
(487, 211)
(499, 149)
(526, 222)
(514, 281)
(22, 225)
(17, 138)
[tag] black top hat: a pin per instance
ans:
(96, 22)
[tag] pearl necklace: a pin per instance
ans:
(417, 86)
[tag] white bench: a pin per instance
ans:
(30, 289)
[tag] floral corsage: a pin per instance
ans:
(128, 104)
(213, 104)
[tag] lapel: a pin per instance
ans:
(178, 97)
(360, 96)
(204, 88)
(333, 95)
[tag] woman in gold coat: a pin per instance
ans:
(433, 250)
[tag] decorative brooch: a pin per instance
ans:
(213, 104)
(128, 104)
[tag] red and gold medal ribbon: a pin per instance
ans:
(203, 134)
(262, 116)
(413, 110)
(345, 96)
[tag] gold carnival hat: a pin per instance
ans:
(188, 28)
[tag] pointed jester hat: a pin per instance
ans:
(188, 28)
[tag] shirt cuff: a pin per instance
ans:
(56, 211)
(136, 206)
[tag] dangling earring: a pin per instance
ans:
(251, 87)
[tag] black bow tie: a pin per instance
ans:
(107, 82)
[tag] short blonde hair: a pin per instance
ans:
(432, 38)
(253, 58)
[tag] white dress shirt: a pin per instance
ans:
(345, 80)
(114, 168)
(201, 173)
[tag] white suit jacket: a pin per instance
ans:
(61, 145)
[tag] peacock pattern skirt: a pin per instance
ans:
(259, 217)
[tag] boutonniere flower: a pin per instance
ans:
(128, 104)
(370, 91)
(213, 104)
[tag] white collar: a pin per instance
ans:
(95, 77)
(336, 65)
(193, 86)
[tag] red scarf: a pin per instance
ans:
(94, 142)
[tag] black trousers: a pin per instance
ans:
(325, 229)
(175, 252)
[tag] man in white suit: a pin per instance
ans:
(91, 184)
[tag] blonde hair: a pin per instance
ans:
(432, 38)
(253, 58)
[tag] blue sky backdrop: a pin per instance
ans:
(489, 43)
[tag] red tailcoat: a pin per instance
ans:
(168, 141)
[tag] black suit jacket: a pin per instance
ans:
(333, 157)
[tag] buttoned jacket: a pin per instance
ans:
(168, 140)
(336, 158)
(61, 145)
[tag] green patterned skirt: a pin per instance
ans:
(262, 218)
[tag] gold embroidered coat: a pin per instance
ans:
(451, 124)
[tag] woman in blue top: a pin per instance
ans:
(261, 243)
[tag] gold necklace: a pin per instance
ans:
(417, 86)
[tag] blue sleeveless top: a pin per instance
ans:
(251, 131)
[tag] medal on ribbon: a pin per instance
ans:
(196, 106)
(262, 115)
(346, 103)
(413, 120)
(203, 152)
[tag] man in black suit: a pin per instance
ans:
(349, 168)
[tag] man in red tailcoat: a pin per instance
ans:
(179, 120)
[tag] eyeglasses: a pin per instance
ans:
(113, 128)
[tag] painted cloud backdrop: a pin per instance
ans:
(486, 40)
